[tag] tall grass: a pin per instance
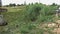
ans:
(27, 20)
(32, 12)
(40, 12)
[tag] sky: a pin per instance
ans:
(47, 2)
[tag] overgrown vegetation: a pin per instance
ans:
(32, 12)
(40, 12)
(27, 19)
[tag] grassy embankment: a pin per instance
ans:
(21, 20)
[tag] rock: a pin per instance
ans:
(58, 21)
(51, 25)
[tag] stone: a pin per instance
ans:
(51, 25)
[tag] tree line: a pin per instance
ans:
(14, 4)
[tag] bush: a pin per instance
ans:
(41, 12)
(47, 14)
(33, 12)
(48, 10)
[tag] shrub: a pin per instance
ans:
(48, 10)
(33, 12)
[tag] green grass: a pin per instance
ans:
(17, 23)
(13, 18)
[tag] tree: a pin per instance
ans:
(36, 3)
(31, 3)
(22, 4)
(12, 4)
(18, 5)
(54, 4)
